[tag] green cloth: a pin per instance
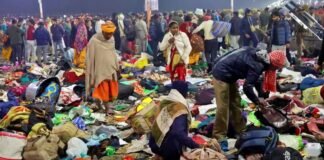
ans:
(148, 92)
(253, 119)
(128, 82)
(60, 118)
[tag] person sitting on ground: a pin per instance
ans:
(245, 63)
(170, 135)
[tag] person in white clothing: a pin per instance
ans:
(211, 43)
(177, 47)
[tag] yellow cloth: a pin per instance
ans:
(78, 71)
(79, 58)
(6, 53)
(141, 63)
(108, 27)
(194, 57)
(313, 96)
(37, 130)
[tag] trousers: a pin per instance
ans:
(228, 102)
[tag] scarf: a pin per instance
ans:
(277, 60)
(171, 108)
(81, 38)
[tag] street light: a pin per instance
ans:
(40, 4)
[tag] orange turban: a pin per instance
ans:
(108, 27)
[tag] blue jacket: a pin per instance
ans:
(241, 64)
(246, 26)
(42, 36)
(280, 33)
(57, 32)
(175, 140)
(310, 82)
(155, 31)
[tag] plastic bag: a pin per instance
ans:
(295, 142)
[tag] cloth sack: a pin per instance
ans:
(43, 148)
(257, 140)
(143, 121)
(68, 131)
(203, 154)
(12, 145)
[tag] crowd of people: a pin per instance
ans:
(257, 45)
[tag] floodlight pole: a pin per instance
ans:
(40, 4)
(232, 5)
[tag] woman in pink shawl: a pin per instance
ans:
(80, 43)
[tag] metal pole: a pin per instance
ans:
(232, 5)
(40, 9)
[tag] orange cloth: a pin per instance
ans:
(106, 91)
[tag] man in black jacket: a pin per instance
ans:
(245, 63)
(235, 30)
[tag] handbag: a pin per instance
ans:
(273, 117)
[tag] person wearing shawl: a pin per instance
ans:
(245, 63)
(80, 43)
(176, 46)
(102, 66)
(170, 129)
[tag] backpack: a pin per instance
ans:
(130, 30)
(257, 140)
(197, 43)
(221, 29)
(43, 148)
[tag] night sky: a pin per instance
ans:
(60, 7)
